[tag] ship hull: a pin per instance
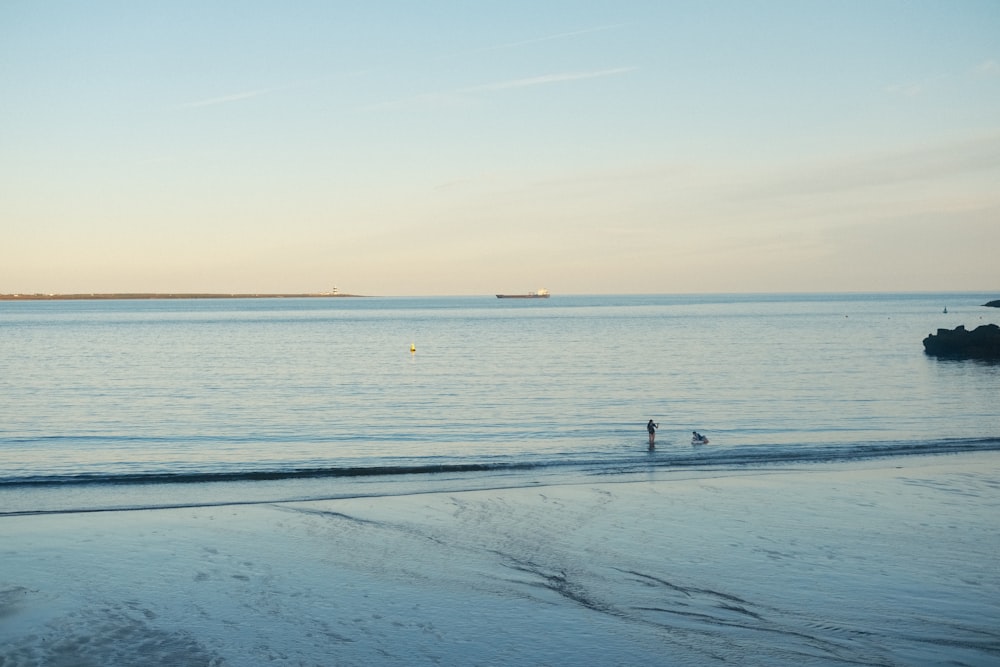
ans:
(522, 296)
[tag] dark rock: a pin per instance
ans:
(993, 304)
(983, 342)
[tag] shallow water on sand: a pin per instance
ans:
(882, 564)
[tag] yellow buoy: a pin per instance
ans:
(413, 348)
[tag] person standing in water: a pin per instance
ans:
(651, 427)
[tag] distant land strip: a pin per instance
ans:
(157, 295)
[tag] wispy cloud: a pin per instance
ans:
(558, 35)
(226, 99)
(260, 92)
(538, 40)
(905, 89)
(422, 102)
(988, 68)
(546, 79)
(463, 96)
(979, 154)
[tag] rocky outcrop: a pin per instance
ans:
(983, 342)
(993, 304)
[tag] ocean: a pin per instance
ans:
(342, 391)
(466, 480)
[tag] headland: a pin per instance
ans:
(166, 295)
(983, 342)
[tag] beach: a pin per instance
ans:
(885, 562)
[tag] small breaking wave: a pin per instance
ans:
(200, 477)
(664, 458)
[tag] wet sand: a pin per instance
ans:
(891, 562)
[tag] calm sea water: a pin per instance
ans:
(108, 392)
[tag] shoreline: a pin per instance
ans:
(165, 295)
(17, 500)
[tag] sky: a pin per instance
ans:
(462, 148)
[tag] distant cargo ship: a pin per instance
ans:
(540, 294)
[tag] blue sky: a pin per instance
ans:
(407, 148)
